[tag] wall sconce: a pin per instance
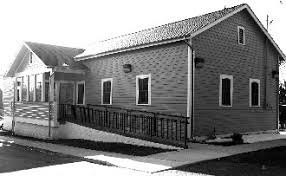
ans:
(127, 68)
(275, 74)
(199, 62)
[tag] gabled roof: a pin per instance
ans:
(53, 55)
(167, 33)
(50, 55)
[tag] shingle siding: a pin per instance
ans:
(223, 55)
(167, 65)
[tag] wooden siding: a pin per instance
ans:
(167, 65)
(37, 66)
(219, 48)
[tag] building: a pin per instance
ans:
(221, 69)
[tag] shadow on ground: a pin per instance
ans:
(122, 148)
(264, 162)
(14, 157)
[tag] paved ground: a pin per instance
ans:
(157, 162)
(15, 157)
(20, 161)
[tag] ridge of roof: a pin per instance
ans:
(170, 23)
(165, 32)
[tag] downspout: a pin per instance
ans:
(190, 89)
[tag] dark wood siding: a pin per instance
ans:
(167, 65)
(219, 48)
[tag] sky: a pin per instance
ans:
(79, 23)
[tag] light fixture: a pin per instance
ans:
(127, 68)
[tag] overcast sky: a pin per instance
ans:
(79, 23)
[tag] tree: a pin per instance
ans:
(282, 93)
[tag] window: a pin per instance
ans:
(80, 98)
(39, 84)
(25, 88)
(47, 86)
(19, 89)
(106, 91)
(254, 92)
(31, 87)
(143, 89)
(241, 35)
(225, 90)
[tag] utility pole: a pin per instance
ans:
(268, 22)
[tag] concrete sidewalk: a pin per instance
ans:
(161, 161)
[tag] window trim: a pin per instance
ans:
(83, 101)
(238, 35)
(106, 80)
(251, 80)
(149, 88)
(223, 76)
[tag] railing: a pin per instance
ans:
(152, 126)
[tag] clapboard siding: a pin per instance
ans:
(222, 54)
(167, 65)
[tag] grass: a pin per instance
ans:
(122, 148)
(263, 162)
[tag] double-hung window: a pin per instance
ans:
(254, 92)
(80, 93)
(106, 91)
(143, 89)
(226, 90)
(241, 35)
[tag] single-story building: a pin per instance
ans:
(219, 71)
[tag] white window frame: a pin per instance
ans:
(250, 91)
(149, 88)
(103, 81)
(223, 76)
(76, 100)
(238, 35)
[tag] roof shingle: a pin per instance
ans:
(157, 34)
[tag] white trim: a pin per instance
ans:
(255, 19)
(223, 76)
(250, 96)
(77, 83)
(106, 80)
(149, 88)
(80, 58)
(238, 35)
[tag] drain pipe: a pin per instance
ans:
(191, 86)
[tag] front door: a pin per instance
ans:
(66, 93)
